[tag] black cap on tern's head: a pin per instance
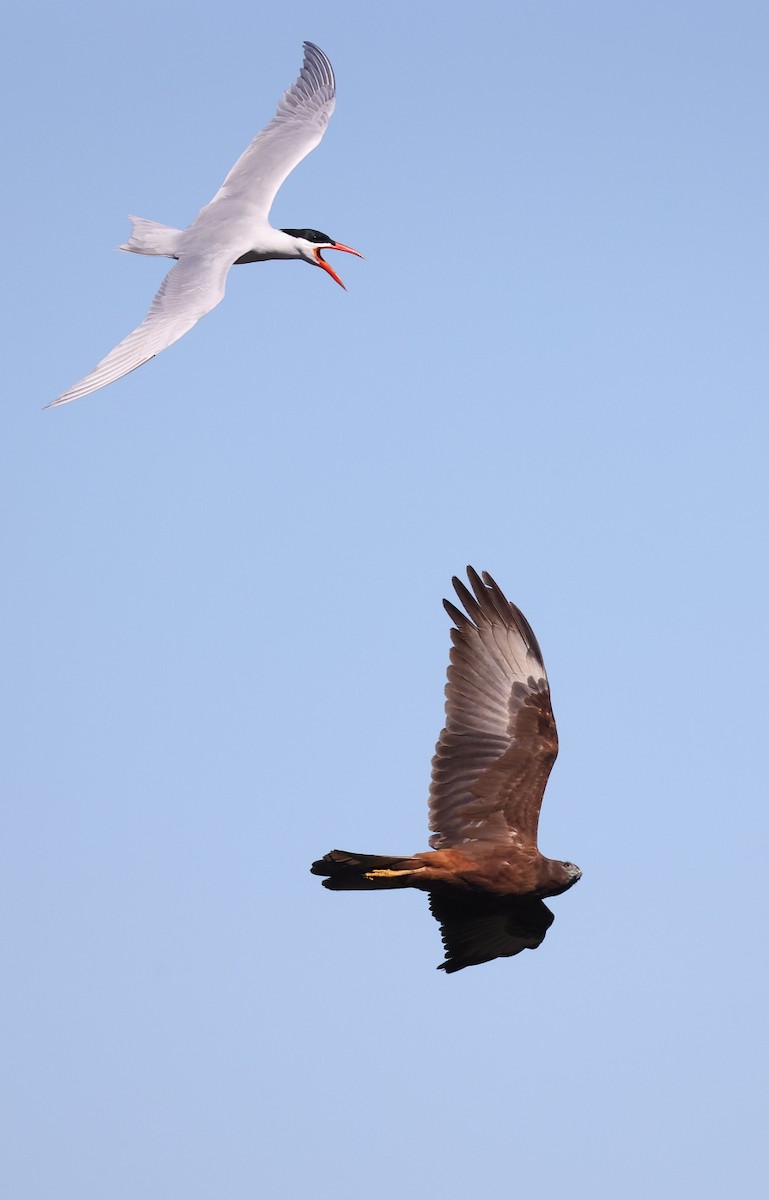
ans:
(320, 241)
(310, 235)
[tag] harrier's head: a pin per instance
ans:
(561, 876)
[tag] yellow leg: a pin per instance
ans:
(385, 874)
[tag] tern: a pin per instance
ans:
(232, 229)
(485, 876)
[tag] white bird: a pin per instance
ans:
(233, 228)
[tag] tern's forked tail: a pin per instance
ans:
(150, 237)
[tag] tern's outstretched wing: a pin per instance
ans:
(499, 743)
(190, 290)
(297, 127)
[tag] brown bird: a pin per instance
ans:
(485, 875)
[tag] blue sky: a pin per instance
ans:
(225, 648)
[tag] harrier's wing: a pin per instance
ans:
(478, 929)
(499, 743)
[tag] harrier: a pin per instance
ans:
(485, 876)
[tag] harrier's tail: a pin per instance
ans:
(365, 872)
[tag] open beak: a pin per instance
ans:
(326, 267)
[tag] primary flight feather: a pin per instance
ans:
(232, 229)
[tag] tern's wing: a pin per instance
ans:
(190, 290)
(297, 127)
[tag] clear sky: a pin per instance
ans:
(225, 649)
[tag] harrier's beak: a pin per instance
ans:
(326, 267)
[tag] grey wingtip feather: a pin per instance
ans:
(315, 59)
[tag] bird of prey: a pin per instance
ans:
(231, 229)
(485, 876)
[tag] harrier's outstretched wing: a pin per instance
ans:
(478, 929)
(498, 746)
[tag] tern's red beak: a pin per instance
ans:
(326, 267)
